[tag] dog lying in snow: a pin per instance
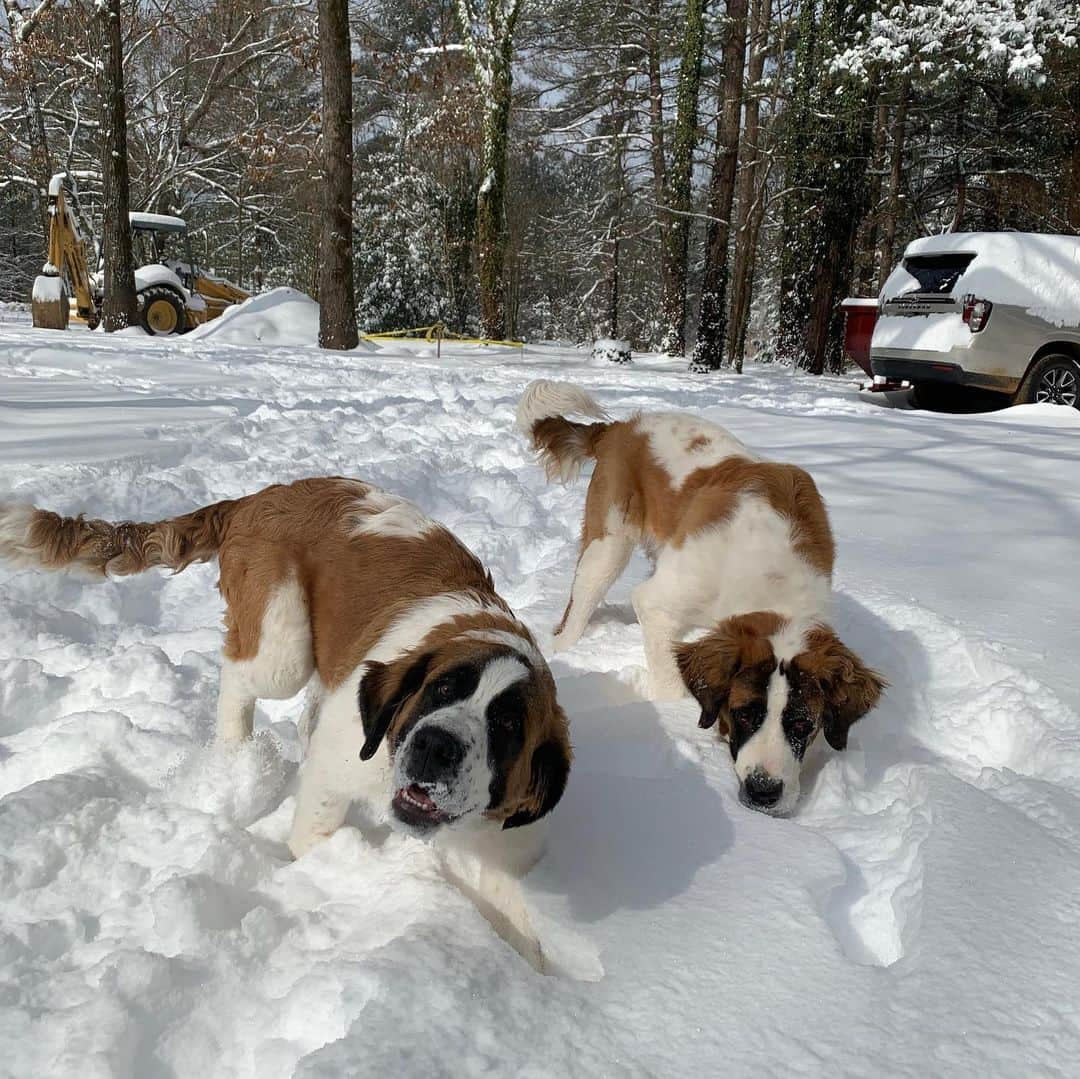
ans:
(742, 549)
(426, 694)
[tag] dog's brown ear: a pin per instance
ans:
(707, 668)
(550, 771)
(851, 689)
(384, 688)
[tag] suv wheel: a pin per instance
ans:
(1053, 379)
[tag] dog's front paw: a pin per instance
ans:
(301, 842)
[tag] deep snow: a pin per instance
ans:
(918, 916)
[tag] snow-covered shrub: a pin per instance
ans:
(611, 350)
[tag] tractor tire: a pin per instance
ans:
(50, 306)
(1053, 379)
(161, 311)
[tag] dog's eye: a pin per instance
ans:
(503, 714)
(444, 689)
(801, 729)
(507, 710)
(749, 715)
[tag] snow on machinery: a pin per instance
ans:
(174, 295)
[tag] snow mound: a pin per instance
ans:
(1042, 415)
(282, 316)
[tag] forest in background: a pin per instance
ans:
(706, 179)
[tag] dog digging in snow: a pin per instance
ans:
(427, 698)
(741, 549)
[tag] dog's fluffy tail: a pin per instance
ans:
(34, 537)
(563, 446)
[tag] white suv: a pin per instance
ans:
(994, 310)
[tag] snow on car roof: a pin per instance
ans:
(1037, 272)
(165, 222)
(979, 242)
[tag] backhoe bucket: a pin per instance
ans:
(50, 305)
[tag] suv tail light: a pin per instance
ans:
(976, 312)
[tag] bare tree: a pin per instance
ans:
(337, 302)
(712, 325)
(120, 307)
(752, 186)
(20, 26)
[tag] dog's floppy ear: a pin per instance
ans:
(550, 770)
(709, 665)
(383, 690)
(851, 688)
(707, 668)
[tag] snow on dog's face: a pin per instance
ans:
(773, 687)
(471, 730)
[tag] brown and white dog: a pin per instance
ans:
(742, 549)
(412, 657)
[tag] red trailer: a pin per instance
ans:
(860, 315)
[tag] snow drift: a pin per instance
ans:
(282, 316)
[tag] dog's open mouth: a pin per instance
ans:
(414, 806)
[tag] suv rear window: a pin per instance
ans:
(937, 273)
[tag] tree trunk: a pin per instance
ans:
(490, 201)
(712, 326)
(656, 110)
(866, 270)
(337, 300)
(617, 187)
(657, 154)
(120, 307)
(891, 210)
(751, 191)
(675, 245)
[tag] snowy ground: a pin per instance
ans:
(919, 916)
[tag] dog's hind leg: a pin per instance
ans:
(268, 655)
(605, 551)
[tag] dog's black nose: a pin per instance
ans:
(762, 791)
(435, 754)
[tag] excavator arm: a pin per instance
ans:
(65, 272)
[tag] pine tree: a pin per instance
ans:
(828, 146)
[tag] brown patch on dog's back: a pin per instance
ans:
(698, 443)
(710, 495)
(629, 480)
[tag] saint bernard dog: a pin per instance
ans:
(427, 698)
(741, 549)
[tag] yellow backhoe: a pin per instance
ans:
(174, 295)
